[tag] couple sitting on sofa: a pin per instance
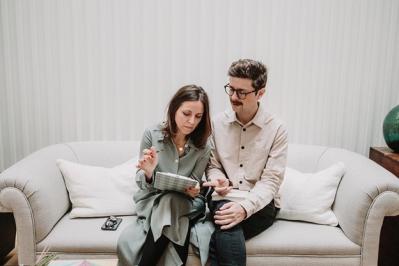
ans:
(247, 152)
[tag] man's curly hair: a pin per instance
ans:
(250, 69)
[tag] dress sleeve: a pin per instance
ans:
(146, 143)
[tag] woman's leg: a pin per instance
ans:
(183, 250)
(152, 251)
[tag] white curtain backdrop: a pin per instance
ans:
(104, 70)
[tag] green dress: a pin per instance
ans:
(164, 212)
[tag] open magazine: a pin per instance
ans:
(169, 181)
(233, 195)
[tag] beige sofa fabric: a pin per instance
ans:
(35, 191)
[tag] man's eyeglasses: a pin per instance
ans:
(239, 92)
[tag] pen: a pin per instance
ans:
(157, 151)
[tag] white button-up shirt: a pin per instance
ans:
(252, 156)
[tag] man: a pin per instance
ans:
(249, 154)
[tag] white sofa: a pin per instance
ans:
(34, 190)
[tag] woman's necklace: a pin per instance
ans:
(181, 147)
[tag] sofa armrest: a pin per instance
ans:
(3, 209)
(34, 190)
(367, 193)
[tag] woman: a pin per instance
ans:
(178, 146)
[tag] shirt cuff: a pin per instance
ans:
(247, 207)
(143, 180)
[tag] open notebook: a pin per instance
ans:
(169, 181)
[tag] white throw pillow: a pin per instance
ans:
(309, 196)
(98, 191)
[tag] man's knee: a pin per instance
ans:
(227, 247)
(234, 234)
(216, 205)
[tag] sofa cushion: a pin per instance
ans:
(83, 235)
(98, 191)
(309, 196)
(282, 238)
(301, 238)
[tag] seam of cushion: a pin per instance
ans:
(192, 254)
(30, 211)
(77, 253)
(365, 222)
(72, 150)
(305, 255)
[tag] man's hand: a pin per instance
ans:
(229, 215)
(220, 184)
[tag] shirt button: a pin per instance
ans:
(240, 165)
(240, 182)
(244, 129)
(176, 161)
(242, 147)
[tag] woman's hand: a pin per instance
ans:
(148, 162)
(193, 191)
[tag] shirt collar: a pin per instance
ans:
(260, 119)
(191, 144)
(161, 135)
(161, 138)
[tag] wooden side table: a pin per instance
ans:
(389, 240)
(386, 158)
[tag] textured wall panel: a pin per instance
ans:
(104, 70)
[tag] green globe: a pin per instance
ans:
(390, 128)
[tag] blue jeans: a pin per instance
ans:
(227, 247)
